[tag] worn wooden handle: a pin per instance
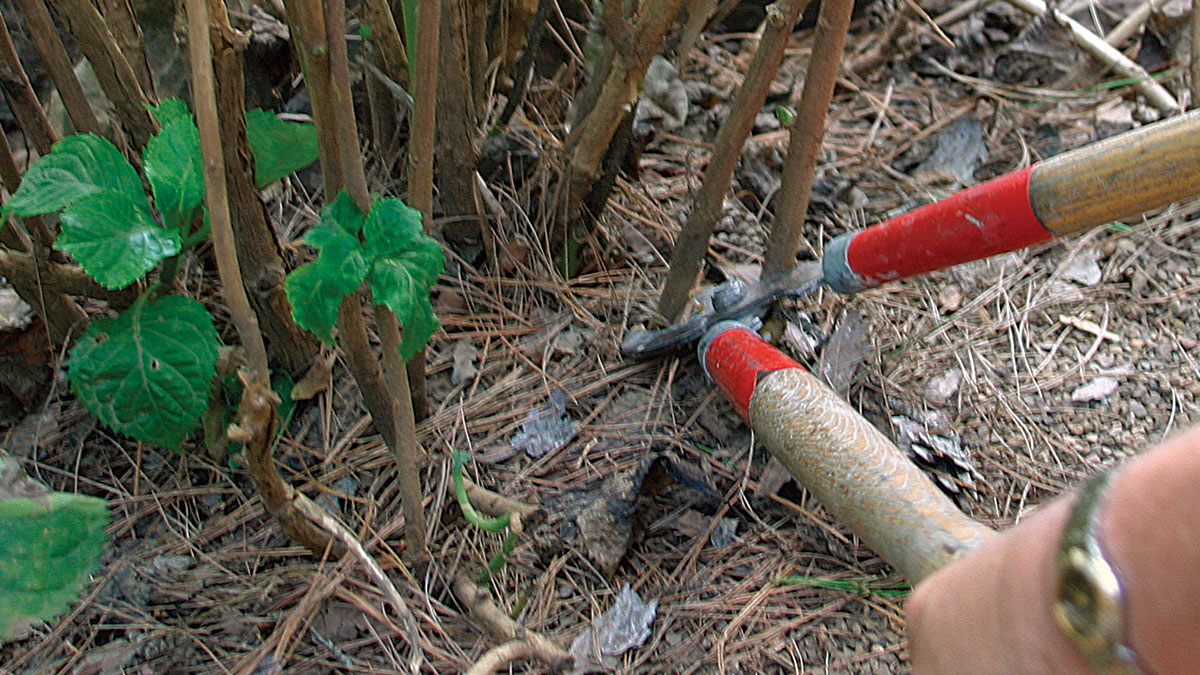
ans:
(1118, 177)
(860, 476)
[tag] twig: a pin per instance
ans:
(933, 25)
(1130, 24)
(692, 243)
(805, 136)
(49, 46)
(260, 261)
(1194, 65)
(500, 656)
(523, 70)
(339, 531)
(1103, 52)
(257, 419)
(1116, 37)
(503, 627)
(21, 98)
(420, 157)
(495, 504)
(123, 24)
(406, 450)
(112, 68)
(591, 136)
(385, 36)
(216, 193)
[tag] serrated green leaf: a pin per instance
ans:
(402, 284)
(146, 373)
(416, 332)
(113, 239)
(327, 233)
(390, 228)
(343, 211)
(279, 147)
(49, 545)
(316, 289)
(170, 110)
(176, 172)
(77, 166)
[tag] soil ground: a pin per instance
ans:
(988, 357)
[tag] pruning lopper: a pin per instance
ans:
(852, 468)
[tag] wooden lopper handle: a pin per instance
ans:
(859, 475)
(1118, 177)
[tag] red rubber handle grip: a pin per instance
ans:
(979, 222)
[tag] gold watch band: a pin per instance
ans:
(1088, 602)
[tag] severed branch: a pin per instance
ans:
(495, 504)
(496, 658)
(692, 243)
(503, 627)
(257, 418)
(804, 139)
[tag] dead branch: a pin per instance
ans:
(1103, 52)
(255, 429)
(500, 656)
(62, 278)
(60, 312)
(339, 532)
(495, 504)
(49, 46)
(502, 627)
(692, 243)
(115, 74)
(805, 137)
(18, 91)
(591, 136)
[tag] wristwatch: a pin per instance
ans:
(1088, 599)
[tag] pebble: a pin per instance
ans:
(1137, 409)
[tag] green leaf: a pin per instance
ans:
(343, 211)
(279, 147)
(316, 289)
(402, 283)
(146, 373)
(391, 228)
(77, 166)
(170, 110)
(405, 264)
(49, 544)
(176, 172)
(113, 239)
